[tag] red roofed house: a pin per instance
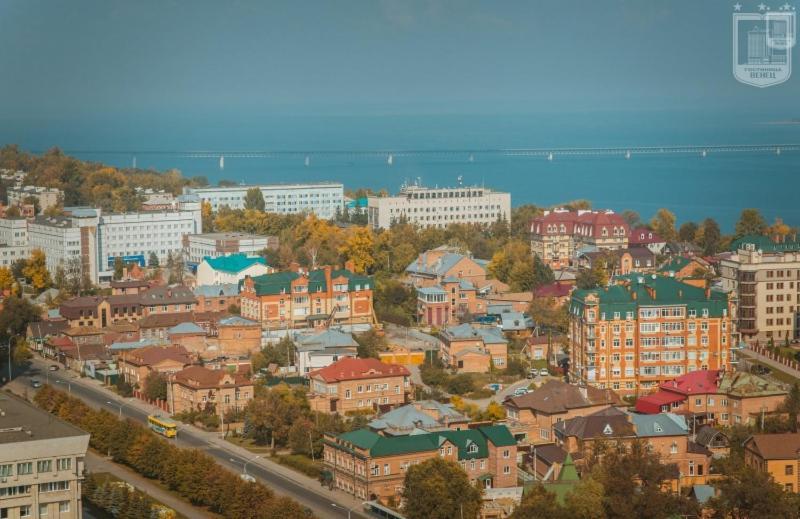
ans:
(195, 388)
(557, 234)
(558, 291)
(644, 237)
(726, 398)
(353, 384)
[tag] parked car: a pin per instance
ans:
(544, 373)
(495, 387)
(521, 391)
(53, 367)
(35, 382)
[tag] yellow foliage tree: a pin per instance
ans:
(358, 248)
(6, 279)
(36, 270)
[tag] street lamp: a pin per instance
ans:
(349, 510)
(68, 384)
(118, 404)
(244, 464)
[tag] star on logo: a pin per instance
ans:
(762, 7)
(737, 6)
(786, 7)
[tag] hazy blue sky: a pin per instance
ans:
(85, 57)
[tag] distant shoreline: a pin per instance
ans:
(784, 122)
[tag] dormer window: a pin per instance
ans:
(473, 448)
(658, 428)
(607, 430)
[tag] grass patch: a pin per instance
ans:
(301, 464)
(248, 444)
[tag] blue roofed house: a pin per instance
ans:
(471, 348)
(418, 418)
(322, 349)
(230, 269)
(216, 298)
(432, 266)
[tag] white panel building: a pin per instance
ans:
(320, 198)
(439, 207)
(13, 240)
(69, 242)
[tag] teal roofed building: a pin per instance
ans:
(641, 331)
(371, 465)
(230, 269)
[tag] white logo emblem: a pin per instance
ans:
(762, 45)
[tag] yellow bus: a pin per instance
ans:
(163, 426)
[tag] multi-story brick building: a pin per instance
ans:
(308, 299)
(433, 267)
(531, 417)
(765, 276)
(352, 384)
(777, 455)
(557, 234)
(216, 298)
(724, 398)
(41, 463)
(642, 331)
(473, 349)
(167, 299)
(439, 207)
(196, 388)
(238, 336)
(371, 466)
(136, 365)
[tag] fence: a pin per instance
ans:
(773, 356)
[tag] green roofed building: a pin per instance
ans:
(372, 466)
(642, 330)
(764, 275)
(232, 268)
(301, 299)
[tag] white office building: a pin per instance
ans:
(134, 236)
(322, 198)
(69, 242)
(13, 240)
(439, 207)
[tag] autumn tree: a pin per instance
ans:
(370, 344)
(269, 418)
(688, 232)
(155, 386)
(357, 248)
(538, 503)
(548, 314)
(750, 222)
(709, 237)
(663, 223)
(505, 259)
(119, 268)
(7, 281)
(632, 218)
(747, 493)
(254, 199)
(35, 270)
(207, 216)
(439, 489)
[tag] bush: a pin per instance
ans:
(301, 464)
(461, 384)
(191, 473)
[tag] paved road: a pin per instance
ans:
(748, 354)
(188, 436)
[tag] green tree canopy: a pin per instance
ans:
(439, 489)
(254, 199)
(664, 224)
(750, 222)
(709, 237)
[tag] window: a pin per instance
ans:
(673, 449)
(54, 486)
(483, 464)
(43, 510)
(506, 470)
(472, 448)
(386, 470)
(25, 511)
(506, 453)
(25, 468)
(789, 470)
(347, 394)
(44, 466)
(6, 470)
(63, 506)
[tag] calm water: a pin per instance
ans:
(719, 185)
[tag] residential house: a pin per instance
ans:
(136, 365)
(422, 415)
(156, 326)
(217, 298)
(434, 266)
(473, 349)
(647, 238)
(84, 335)
(167, 299)
(313, 299)
(557, 290)
(776, 454)
(516, 301)
(238, 336)
(714, 440)
(532, 417)
(371, 466)
(128, 286)
(516, 324)
(717, 397)
(352, 384)
(688, 269)
(321, 349)
(644, 330)
(620, 262)
(197, 388)
(99, 311)
(190, 336)
(230, 269)
(37, 333)
(545, 347)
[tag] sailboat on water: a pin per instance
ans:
(390, 160)
(550, 156)
(628, 154)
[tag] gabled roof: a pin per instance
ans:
(707, 434)
(184, 328)
(330, 338)
(234, 263)
(151, 355)
(439, 267)
(698, 382)
(556, 396)
(41, 329)
(702, 493)
(606, 423)
(663, 424)
(514, 321)
(358, 369)
(198, 377)
(644, 236)
(165, 320)
(555, 289)
(167, 295)
(467, 331)
(236, 320)
(281, 282)
(413, 415)
(219, 290)
(783, 446)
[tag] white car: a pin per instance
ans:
(544, 373)
(247, 477)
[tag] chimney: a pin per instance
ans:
(708, 293)
(328, 287)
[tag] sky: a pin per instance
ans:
(147, 59)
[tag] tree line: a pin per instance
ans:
(191, 473)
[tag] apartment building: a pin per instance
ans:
(101, 311)
(134, 236)
(197, 388)
(365, 463)
(439, 207)
(765, 276)
(41, 463)
(667, 434)
(352, 384)
(213, 245)
(473, 349)
(232, 268)
(531, 417)
(167, 299)
(558, 234)
(777, 455)
(13, 241)
(321, 198)
(299, 299)
(716, 397)
(642, 331)
(68, 242)
(46, 197)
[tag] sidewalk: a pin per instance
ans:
(214, 439)
(748, 353)
(96, 463)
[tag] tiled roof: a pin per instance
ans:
(234, 263)
(356, 369)
(783, 446)
(150, 355)
(220, 290)
(556, 396)
(635, 290)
